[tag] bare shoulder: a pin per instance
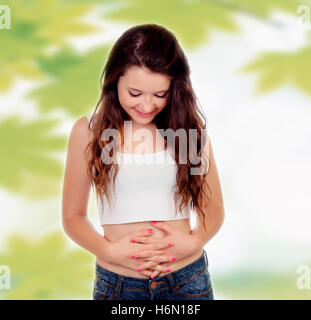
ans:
(81, 131)
(76, 187)
(81, 127)
(80, 136)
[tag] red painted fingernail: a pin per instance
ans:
(154, 222)
(168, 270)
(174, 259)
(132, 256)
(169, 244)
(138, 269)
(152, 277)
(149, 230)
(133, 240)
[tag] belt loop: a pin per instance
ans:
(119, 287)
(172, 283)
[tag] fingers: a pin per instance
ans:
(154, 266)
(141, 233)
(165, 264)
(157, 273)
(154, 274)
(141, 236)
(161, 245)
(161, 258)
(145, 239)
(153, 244)
(154, 263)
(147, 273)
(146, 254)
(164, 268)
(163, 226)
(146, 265)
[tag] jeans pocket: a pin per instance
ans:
(196, 286)
(102, 290)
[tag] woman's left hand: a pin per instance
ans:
(183, 245)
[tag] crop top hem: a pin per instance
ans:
(131, 220)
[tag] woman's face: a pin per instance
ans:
(143, 94)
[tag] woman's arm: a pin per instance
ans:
(214, 207)
(76, 190)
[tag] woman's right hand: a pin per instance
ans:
(131, 255)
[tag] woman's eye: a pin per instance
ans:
(137, 95)
(134, 95)
(163, 96)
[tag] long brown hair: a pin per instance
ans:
(153, 47)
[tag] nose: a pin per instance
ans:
(148, 105)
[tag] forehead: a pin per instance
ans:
(145, 80)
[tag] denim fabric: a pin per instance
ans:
(191, 282)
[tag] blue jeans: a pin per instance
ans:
(191, 282)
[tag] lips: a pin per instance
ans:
(143, 114)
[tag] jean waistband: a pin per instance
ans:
(174, 277)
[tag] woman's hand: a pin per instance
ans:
(131, 254)
(184, 246)
(155, 265)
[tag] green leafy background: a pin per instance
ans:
(65, 85)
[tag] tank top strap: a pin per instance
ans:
(89, 116)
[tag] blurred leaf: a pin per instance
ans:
(260, 285)
(47, 269)
(35, 26)
(279, 68)
(26, 149)
(88, 1)
(262, 8)
(190, 20)
(76, 81)
(17, 57)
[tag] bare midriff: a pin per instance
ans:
(113, 232)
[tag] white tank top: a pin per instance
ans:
(143, 190)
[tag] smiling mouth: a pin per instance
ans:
(144, 114)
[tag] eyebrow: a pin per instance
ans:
(142, 91)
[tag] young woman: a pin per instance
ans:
(146, 184)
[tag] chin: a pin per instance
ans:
(139, 120)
